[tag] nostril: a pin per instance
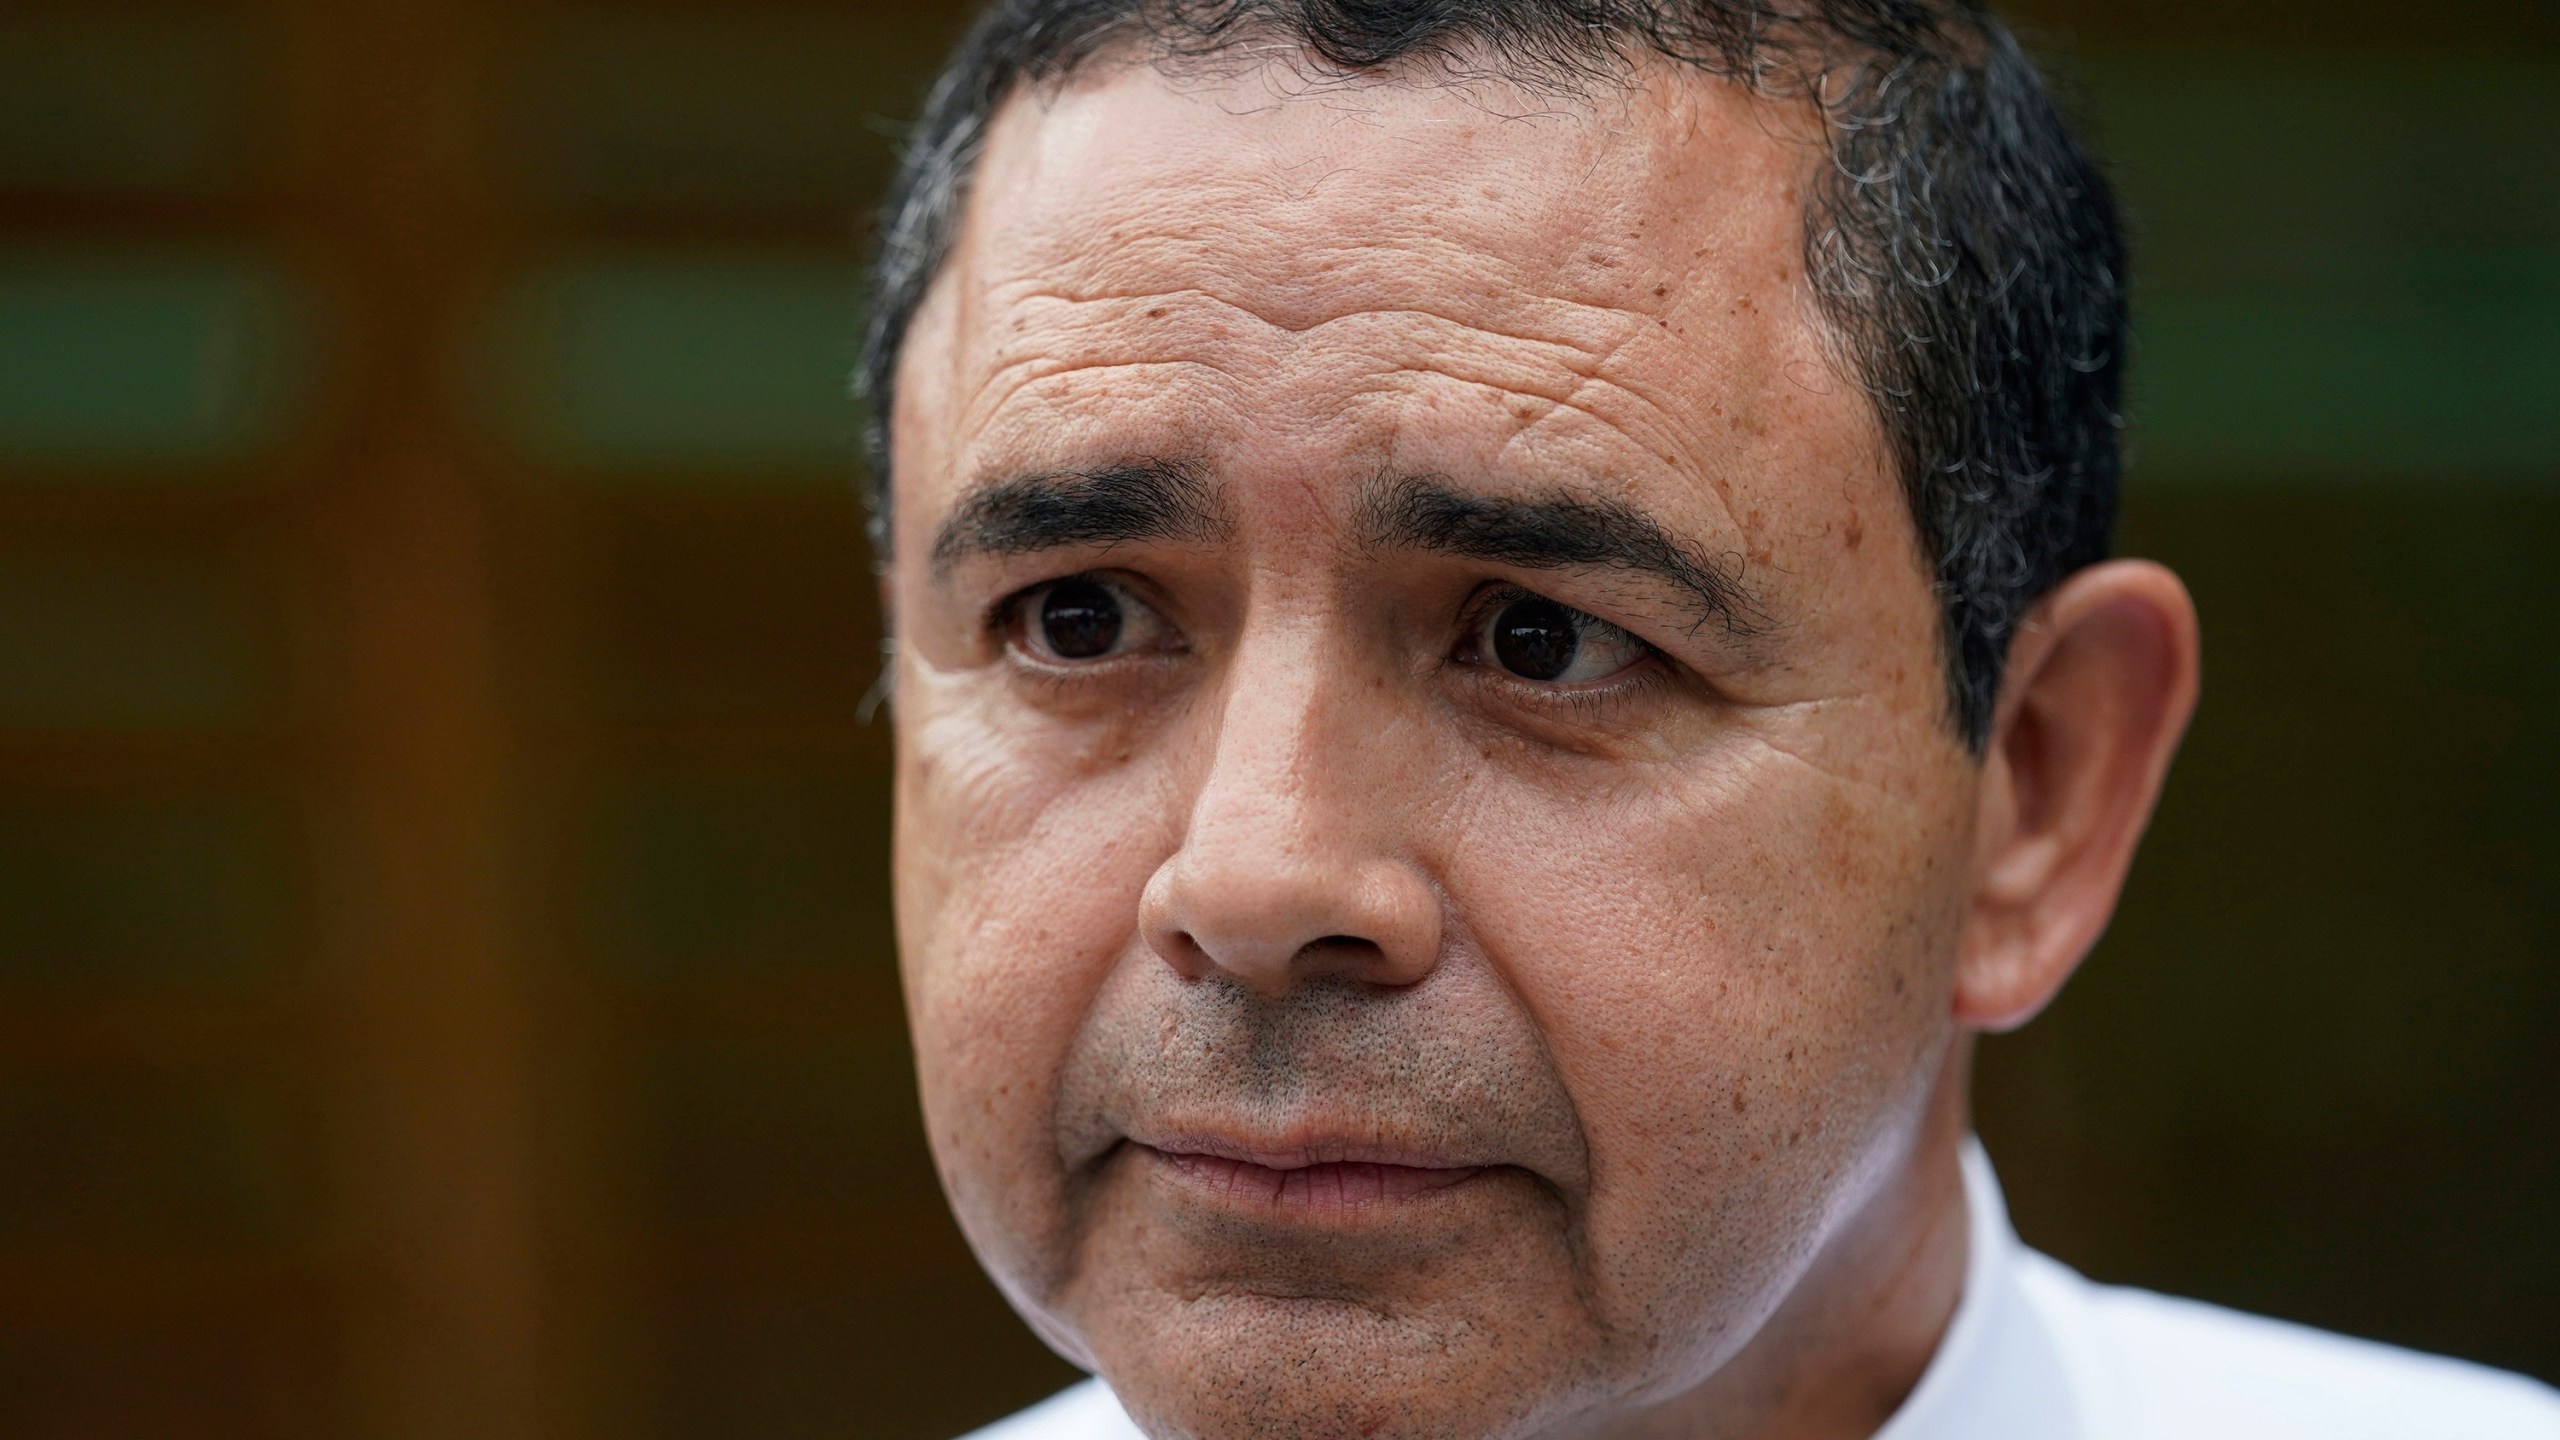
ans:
(1188, 955)
(1351, 957)
(1341, 950)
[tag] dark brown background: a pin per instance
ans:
(445, 975)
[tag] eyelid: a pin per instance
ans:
(1492, 599)
(1008, 607)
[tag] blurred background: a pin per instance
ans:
(445, 972)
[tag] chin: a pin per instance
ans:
(1261, 1367)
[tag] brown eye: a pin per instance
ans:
(1084, 620)
(1539, 639)
(1079, 620)
(1535, 638)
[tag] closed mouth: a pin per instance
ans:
(1297, 1183)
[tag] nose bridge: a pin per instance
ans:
(1289, 865)
(1271, 761)
(1296, 677)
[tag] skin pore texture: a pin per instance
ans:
(1326, 1030)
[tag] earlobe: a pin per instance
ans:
(2101, 682)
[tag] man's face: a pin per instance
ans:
(1429, 853)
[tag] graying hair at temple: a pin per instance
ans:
(1963, 246)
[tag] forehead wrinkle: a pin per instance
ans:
(1648, 422)
(1203, 200)
(1555, 374)
(1670, 441)
(1285, 269)
(1017, 383)
(1180, 213)
(1107, 331)
(1612, 328)
(1534, 433)
(1441, 339)
(1526, 430)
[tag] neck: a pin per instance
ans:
(1845, 1349)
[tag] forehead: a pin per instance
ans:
(1607, 288)
(1255, 175)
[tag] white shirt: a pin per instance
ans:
(2037, 1352)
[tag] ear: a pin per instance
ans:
(2101, 680)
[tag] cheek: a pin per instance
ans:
(1740, 970)
(1019, 875)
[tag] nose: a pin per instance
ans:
(1290, 868)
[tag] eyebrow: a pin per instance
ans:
(1148, 499)
(1561, 530)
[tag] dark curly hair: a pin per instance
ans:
(1964, 247)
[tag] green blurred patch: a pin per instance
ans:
(2456, 377)
(2345, 269)
(713, 368)
(158, 359)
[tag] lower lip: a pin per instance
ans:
(1340, 1189)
